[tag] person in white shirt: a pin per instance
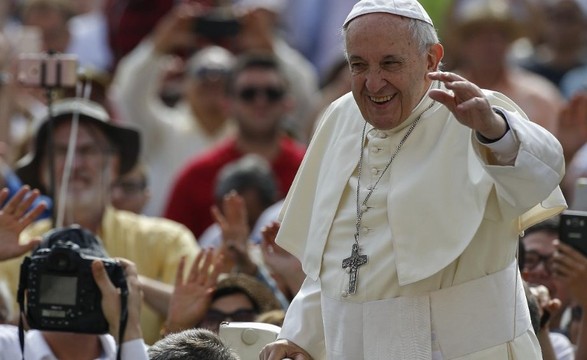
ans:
(173, 134)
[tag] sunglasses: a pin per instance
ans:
(271, 93)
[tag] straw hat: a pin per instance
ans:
(260, 294)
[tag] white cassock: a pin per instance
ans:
(441, 236)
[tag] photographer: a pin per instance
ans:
(102, 152)
(60, 345)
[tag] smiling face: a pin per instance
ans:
(93, 168)
(260, 102)
(388, 68)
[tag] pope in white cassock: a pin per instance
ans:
(407, 208)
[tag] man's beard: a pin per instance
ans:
(85, 199)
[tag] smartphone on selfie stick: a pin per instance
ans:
(50, 71)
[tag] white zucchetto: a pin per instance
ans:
(406, 8)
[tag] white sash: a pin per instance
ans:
(466, 318)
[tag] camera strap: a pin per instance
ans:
(22, 285)
(123, 317)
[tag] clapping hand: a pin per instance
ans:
(14, 217)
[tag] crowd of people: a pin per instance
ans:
(232, 155)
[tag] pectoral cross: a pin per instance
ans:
(352, 264)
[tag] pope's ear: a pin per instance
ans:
(435, 55)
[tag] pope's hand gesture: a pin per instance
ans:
(14, 217)
(469, 105)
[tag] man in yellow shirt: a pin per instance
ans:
(102, 151)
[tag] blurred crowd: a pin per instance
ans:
(224, 96)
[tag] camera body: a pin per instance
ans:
(573, 229)
(47, 70)
(61, 294)
(219, 23)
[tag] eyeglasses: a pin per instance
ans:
(213, 318)
(271, 93)
(533, 258)
(90, 152)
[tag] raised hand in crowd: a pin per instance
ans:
(174, 30)
(191, 297)
(111, 299)
(14, 217)
(572, 125)
(285, 268)
(235, 234)
(570, 267)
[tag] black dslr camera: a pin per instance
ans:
(58, 285)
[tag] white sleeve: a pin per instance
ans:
(134, 350)
(505, 149)
(537, 168)
(303, 320)
(9, 344)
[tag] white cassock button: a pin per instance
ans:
(364, 208)
(374, 171)
(347, 269)
(344, 294)
(375, 150)
(382, 135)
(370, 187)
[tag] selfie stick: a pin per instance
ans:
(49, 92)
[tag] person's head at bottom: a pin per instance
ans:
(192, 344)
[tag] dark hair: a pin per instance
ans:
(549, 226)
(250, 172)
(521, 255)
(255, 60)
(192, 344)
(236, 290)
